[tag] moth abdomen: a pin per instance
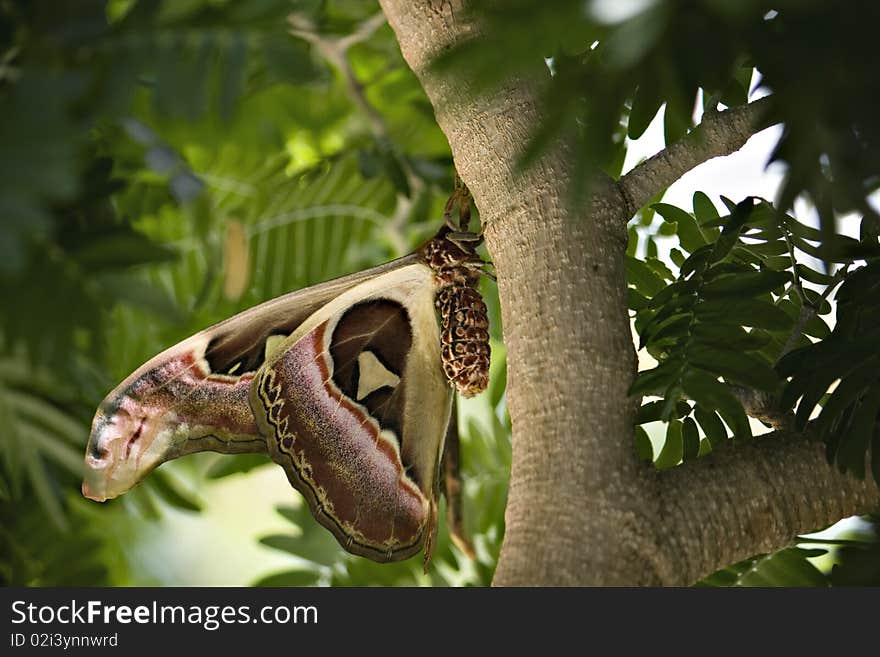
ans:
(464, 339)
(464, 320)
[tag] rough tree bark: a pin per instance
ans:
(582, 510)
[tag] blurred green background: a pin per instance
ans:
(165, 165)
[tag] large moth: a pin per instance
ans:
(347, 385)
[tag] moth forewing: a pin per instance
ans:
(194, 395)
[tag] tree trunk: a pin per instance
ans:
(582, 509)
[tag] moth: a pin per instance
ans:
(347, 385)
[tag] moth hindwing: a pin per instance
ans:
(346, 385)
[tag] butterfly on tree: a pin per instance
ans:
(347, 385)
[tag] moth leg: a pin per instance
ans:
(452, 488)
(460, 197)
(480, 266)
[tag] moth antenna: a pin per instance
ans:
(451, 485)
(465, 241)
(479, 266)
(464, 210)
(447, 214)
(430, 536)
(461, 236)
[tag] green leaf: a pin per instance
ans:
(671, 453)
(837, 248)
(315, 544)
(816, 300)
(290, 578)
(725, 244)
(653, 411)
(813, 276)
(744, 312)
(736, 92)
(730, 336)
(671, 404)
(659, 267)
(237, 464)
(643, 277)
(712, 425)
(721, 269)
(748, 284)
(635, 300)
(706, 391)
(644, 447)
(497, 375)
(814, 368)
(858, 562)
(689, 233)
(678, 295)
(690, 439)
(697, 261)
(850, 389)
(675, 326)
(632, 241)
(44, 490)
(788, 567)
(657, 380)
(290, 61)
(677, 257)
(54, 449)
(704, 209)
(121, 249)
(43, 412)
(875, 458)
(169, 491)
(395, 172)
(800, 230)
(667, 229)
(646, 103)
(734, 366)
(855, 444)
(817, 327)
(774, 248)
(811, 396)
(232, 71)
(676, 121)
(139, 293)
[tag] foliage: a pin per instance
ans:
(166, 164)
(852, 559)
(788, 567)
(612, 75)
(148, 147)
(744, 307)
(847, 422)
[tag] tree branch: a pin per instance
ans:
(335, 51)
(582, 509)
(762, 406)
(576, 483)
(753, 497)
(720, 133)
